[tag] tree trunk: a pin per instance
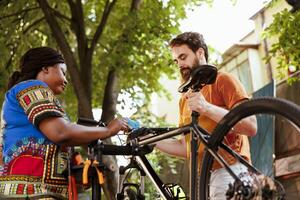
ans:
(110, 97)
(85, 108)
(135, 5)
(108, 112)
(84, 100)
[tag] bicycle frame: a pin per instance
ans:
(136, 146)
(140, 140)
(203, 135)
(198, 134)
(200, 77)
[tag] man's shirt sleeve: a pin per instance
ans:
(231, 90)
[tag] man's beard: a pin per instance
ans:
(186, 72)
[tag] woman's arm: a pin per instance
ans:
(60, 131)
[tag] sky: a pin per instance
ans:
(224, 23)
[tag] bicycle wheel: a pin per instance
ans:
(267, 105)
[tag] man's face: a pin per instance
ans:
(185, 59)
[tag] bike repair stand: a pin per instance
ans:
(193, 158)
(95, 158)
(95, 155)
(91, 171)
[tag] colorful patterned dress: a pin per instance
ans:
(33, 166)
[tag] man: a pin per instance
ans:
(213, 102)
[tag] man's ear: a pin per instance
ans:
(200, 52)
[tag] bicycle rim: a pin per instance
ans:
(266, 105)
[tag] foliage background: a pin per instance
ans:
(286, 50)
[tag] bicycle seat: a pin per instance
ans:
(200, 76)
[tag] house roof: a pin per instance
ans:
(258, 12)
(236, 49)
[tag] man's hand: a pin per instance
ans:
(197, 102)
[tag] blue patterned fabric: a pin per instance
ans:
(32, 163)
(22, 99)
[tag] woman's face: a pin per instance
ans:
(55, 77)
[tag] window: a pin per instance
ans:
(240, 68)
(245, 76)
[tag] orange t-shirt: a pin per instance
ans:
(226, 92)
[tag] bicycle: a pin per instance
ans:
(252, 185)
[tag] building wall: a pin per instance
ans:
(251, 37)
(257, 66)
(262, 20)
(261, 72)
(258, 73)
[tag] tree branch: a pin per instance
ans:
(8, 63)
(20, 12)
(33, 24)
(77, 24)
(54, 26)
(107, 9)
(60, 15)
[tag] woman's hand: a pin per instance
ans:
(117, 125)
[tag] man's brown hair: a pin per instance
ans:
(193, 40)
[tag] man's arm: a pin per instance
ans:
(173, 147)
(197, 102)
(247, 126)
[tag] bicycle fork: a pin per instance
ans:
(161, 188)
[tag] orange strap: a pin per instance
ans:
(86, 167)
(85, 171)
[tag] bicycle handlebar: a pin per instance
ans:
(89, 122)
(108, 149)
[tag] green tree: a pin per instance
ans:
(285, 29)
(109, 46)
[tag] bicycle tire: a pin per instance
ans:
(265, 105)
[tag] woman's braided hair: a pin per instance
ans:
(32, 62)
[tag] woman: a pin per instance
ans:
(35, 129)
